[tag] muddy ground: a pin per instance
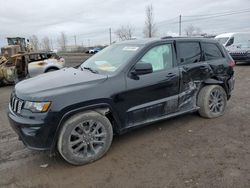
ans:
(186, 151)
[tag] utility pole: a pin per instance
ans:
(51, 44)
(110, 40)
(180, 25)
(75, 39)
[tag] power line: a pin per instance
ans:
(218, 13)
(164, 21)
(214, 16)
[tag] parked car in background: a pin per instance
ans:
(94, 50)
(128, 85)
(43, 62)
(25, 65)
(237, 44)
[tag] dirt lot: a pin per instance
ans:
(186, 151)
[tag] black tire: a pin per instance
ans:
(72, 132)
(210, 107)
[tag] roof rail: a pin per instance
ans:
(166, 37)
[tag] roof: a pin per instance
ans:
(230, 34)
(153, 40)
(225, 35)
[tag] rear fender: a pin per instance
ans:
(211, 81)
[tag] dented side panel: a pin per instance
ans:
(192, 77)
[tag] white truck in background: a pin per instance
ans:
(238, 45)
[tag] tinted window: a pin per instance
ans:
(211, 51)
(189, 52)
(160, 57)
(230, 42)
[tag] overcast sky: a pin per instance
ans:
(90, 20)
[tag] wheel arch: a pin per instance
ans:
(52, 67)
(102, 108)
(212, 81)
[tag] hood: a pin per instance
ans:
(60, 81)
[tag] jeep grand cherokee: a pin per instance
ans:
(124, 86)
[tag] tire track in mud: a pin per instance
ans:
(11, 149)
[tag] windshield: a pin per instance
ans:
(222, 40)
(108, 60)
(242, 40)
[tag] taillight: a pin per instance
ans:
(232, 63)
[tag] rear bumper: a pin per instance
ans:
(35, 134)
(230, 83)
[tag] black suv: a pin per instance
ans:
(126, 85)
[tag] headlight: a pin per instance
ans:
(37, 106)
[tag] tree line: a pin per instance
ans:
(47, 44)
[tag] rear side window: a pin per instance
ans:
(211, 51)
(189, 52)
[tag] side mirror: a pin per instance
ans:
(182, 60)
(142, 68)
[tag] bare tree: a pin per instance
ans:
(192, 31)
(62, 41)
(34, 42)
(150, 27)
(46, 43)
(125, 32)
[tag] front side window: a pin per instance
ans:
(211, 51)
(189, 52)
(160, 57)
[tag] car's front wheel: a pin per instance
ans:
(212, 100)
(84, 138)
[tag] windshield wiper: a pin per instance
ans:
(90, 69)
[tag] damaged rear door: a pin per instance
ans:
(193, 71)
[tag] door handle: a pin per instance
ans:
(170, 75)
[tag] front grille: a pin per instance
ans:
(16, 104)
(238, 53)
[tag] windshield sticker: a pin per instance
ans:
(101, 62)
(104, 65)
(130, 48)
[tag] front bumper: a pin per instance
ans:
(36, 134)
(245, 57)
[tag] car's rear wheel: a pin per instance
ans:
(84, 138)
(212, 100)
